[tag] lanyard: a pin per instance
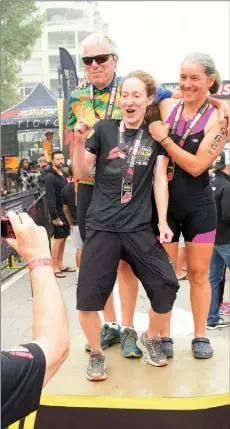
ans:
(201, 111)
(130, 159)
(112, 97)
(186, 133)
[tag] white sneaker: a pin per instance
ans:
(220, 324)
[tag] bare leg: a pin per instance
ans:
(128, 290)
(78, 257)
(157, 323)
(91, 325)
(61, 253)
(181, 261)
(198, 260)
(109, 312)
(55, 255)
(171, 249)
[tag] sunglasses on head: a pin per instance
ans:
(99, 59)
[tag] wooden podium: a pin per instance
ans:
(187, 394)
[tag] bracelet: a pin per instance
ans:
(36, 263)
(163, 139)
(165, 143)
(162, 223)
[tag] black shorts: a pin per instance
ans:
(194, 216)
(62, 231)
(149, 261)
(84, 197)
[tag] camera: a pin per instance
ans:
(6, 228)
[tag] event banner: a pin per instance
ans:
(68, 71)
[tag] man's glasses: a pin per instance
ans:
(99, 59)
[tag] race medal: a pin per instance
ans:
(170, 171)
(126, 192)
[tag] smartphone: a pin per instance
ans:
(6, 228)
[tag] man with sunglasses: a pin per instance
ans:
(100, 99)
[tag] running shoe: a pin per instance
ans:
(220, 324)
(128, 343)
(109, 336)
(152, 350)
(224, 310)
(96, 367)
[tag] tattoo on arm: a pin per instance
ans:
(216, 141)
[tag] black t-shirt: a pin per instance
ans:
(68, 199)
(54, 184)
(22, 374)
(106, 212)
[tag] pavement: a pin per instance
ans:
(16, 307)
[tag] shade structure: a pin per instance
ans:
(37, 111)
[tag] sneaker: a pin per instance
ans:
(109, 336)
(128, 344)
(224, 309)
(96, 367)
(152, 350)
(226, 303)
(220, 324)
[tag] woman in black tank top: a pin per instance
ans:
(193, 137)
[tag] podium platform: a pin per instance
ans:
(187, 394)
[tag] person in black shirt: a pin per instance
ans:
(55, 182)
(221, 252)
(27, 368)
(118, 221)
(70, 211)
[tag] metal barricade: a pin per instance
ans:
(34, 203)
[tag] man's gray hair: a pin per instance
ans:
(99, 39)
(209, 67)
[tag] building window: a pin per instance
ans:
(54, 63)
(82, 36)
(27, 87)
(81, 65)
(63, 38)
(32, 66)
(54, 86)
(63, 16)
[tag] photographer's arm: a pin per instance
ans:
(50, 327)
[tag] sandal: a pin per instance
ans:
(201, 348)
(68, 270)
(167, 346)
(59, 275)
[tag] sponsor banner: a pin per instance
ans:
(223, 92)
(69, 74)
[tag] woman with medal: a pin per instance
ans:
(118, 221)
(193, 138)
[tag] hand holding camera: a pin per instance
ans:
(31, 241)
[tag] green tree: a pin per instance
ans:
(21, 26)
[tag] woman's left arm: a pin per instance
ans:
(209, 149)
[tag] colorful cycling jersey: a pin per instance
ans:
(183, 183)
(80, 102)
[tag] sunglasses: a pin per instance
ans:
(99, 59)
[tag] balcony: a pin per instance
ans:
(63, 38)
(65, 17)
(32, 66)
